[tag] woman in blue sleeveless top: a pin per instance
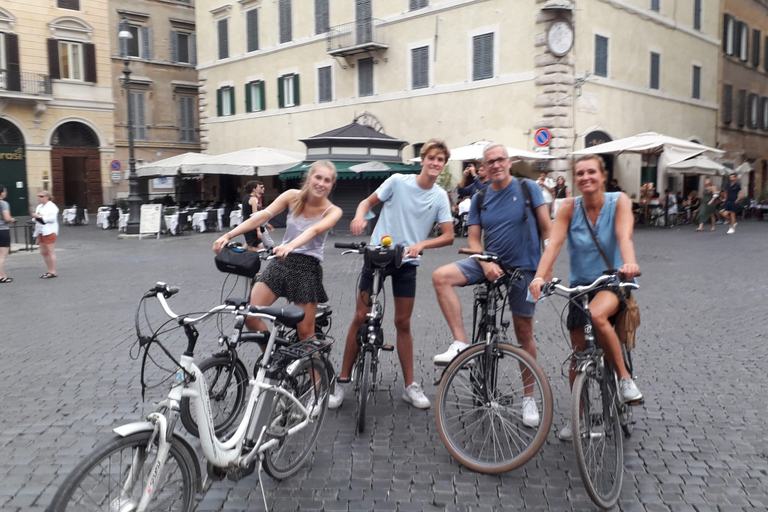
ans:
(297, 273)
(610, 217)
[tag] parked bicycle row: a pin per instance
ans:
(494, 403)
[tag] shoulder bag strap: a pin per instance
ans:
(594, 238)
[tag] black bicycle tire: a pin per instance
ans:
(240, 376)
(627, 411)
(60, 501)
(546, 413)
(365, 386)
(317, 365)
(610, 498)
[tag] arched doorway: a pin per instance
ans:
(76, 166)
(596, 137)
(13, 167)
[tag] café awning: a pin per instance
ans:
(256, 161)
(355, 170)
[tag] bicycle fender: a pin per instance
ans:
(146, 426)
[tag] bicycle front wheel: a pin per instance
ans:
(114, 475)
(227, 386)
(307, 382)
(597, 439)
(365, 388)
(626, 412)
(480, 408)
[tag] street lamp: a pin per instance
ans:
(134, 201)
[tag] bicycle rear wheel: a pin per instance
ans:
(597, 439)
(364, 392)
(308, 382)
(227, 386)
(114, 476)
(489, 436)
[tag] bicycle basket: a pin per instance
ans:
(236, 260)
(383, 257)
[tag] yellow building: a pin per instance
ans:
(56, 107)
(462, 70)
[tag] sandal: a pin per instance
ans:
(6, 280)
(698, 229)
(48, 275)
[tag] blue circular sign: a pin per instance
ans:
(542, 137)
(115, 165)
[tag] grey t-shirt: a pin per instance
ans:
(4, 206)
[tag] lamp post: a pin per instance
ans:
(134, 201)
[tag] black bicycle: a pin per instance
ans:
(598, 412)
(370, 335)
(484, 389)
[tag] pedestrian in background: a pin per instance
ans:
(707, 209)
(46, 230)
(561, 193)
(547, 186)
(479, 176)
(733, 194)
(5, 232)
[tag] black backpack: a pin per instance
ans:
(523, 184)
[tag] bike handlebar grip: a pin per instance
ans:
(347, 245)
(170, 291)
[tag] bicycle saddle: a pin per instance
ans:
(289, 316)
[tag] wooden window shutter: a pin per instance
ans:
(122, 44)
(726, 20)
(89, 61)
(322, 21)
(182, 120)
(223, 39)
(286, 23)
(762, 114)
(741, 107)
(232, 100)
(13, 77)
(248, 106)
(727, 103)
(219, 106)
(697, 14)
(193, 49)
(146, 39)
(756, 40)
(280, 94)
(174, 40)
(53, 59)
(252, 29)
(296, 90)
(261, 96)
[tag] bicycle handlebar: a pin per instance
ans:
(611, 279)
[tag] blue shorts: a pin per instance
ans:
(403, 280)
(517, 291)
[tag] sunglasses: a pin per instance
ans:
(41, 196)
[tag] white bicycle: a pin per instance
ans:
(148, 466)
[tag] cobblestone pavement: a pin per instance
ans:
(700, 442)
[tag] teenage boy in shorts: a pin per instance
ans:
(412, 204)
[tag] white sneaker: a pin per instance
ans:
(337, 397)
(530, 412)
(731, 231)
(415, 396)
(446, 357)
(566, 434)
(629, 391)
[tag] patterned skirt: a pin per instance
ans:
(298, 278)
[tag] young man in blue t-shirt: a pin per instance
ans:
(733, 194)
(412, 204)
(508, 234)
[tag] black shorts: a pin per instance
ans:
(577, 318)
(252, 238)
(730, 206)
(5, 237)
(403, 280)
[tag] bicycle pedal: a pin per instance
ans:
(387, 348)
(636, 402)
(240, 473)
(342, 380)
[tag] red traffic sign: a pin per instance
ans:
(542, 137)
(114, 165)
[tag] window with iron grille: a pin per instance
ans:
(252, 30)
(139, 116)
(223, 28)
(655, 70)
(727, 103)
(482, 56)
(697, 14)
(324, 85)
(254, 96)
(186, 119)
(322, 17)
(601, 56)
(365, 77)
(420, 67)
(286, 23)
(696, 92)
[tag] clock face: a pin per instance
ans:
(560, 38)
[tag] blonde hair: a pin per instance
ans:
(47, 193)
(583, 158)
(437, 144)
(301, 198)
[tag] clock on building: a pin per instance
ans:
(560, 38)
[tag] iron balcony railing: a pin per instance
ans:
(28, 83)
(356, 37)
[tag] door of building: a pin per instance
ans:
(76, 167)
(13, 174)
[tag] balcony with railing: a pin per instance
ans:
(14, 84)
(356, 37)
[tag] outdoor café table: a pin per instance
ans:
(102, 216)
(198, 221)
(172, 222)
(123, 222)
(69, 215)
(235, 218)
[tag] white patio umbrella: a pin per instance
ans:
(247, 162)
(701, 165)
(474, 151)
(187, 163)
(652, 143)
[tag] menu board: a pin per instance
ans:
(151, 217)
